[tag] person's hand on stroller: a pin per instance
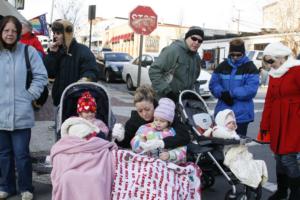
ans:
(226, 97)
(118, 132)
(152, 144)
(84, 79)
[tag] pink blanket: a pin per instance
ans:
(82, 169)
(144, 178)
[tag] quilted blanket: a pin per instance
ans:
(140, 177)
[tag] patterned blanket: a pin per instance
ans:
(139, 177)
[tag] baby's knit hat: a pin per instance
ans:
(165, 109)
(86, 103)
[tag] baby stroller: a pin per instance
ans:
(191, 103)
(68, 104)
(68, 108)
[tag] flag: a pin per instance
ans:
(39, 25)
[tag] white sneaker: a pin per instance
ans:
(27, 195)
(3, 195)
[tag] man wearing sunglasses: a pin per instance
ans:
(235, 82)
(281, 118)
(178, 65)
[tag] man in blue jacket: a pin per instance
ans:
(235, 82)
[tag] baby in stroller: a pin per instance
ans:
(237, 157)
(208, 145)
(154, 132)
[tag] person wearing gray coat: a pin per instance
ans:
(16, 111)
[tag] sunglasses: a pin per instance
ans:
(197, 39)
(236, 54)
(270, 61)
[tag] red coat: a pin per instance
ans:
(32, 40)
(281, 115)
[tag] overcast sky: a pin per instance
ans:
(218, 14)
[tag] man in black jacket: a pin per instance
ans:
(68, 61)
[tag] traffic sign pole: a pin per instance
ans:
(140, 60)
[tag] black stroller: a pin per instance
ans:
(209, 160)
(68, 108)
(68, 104)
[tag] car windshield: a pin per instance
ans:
(121, 57)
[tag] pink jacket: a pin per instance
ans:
(82, 169)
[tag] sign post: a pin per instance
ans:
(143, 20)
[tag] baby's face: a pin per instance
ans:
(87, 115)
(231, 125)
(160, 123)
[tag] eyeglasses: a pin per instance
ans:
(270, 61)
(236, 54)
(197, 39)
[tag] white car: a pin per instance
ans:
(130, 73)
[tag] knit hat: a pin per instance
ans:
(203, 120)
(194, 30)
(165, 109)
(277, 49)
(237, 45)
(66, 28)
(79, 127)
(86, 103)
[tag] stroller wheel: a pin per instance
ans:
(230, 195)
(207, 180)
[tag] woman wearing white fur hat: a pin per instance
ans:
(281, 117)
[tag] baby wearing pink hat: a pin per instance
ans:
(152, 134)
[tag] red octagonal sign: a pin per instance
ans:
(143, 20)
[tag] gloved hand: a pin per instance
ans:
(84, 79)
(264, 132)
(118, 132)
(152, 144)
(173, 96)
(226, 97)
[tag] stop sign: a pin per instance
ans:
(143, 20)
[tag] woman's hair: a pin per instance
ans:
(15, 21)
(144, 93)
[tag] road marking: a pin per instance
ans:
(255, 101)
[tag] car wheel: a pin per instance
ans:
(107, 77)
(129, 83)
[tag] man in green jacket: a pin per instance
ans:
(178, 65)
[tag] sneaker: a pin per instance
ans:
(27, 195)
(3, 195)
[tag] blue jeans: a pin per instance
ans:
(14, 152)
(287, 164)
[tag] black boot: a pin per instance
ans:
(295, 188)
(282, 188)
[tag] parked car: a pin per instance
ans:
(204, 79)
(130, 73)
(256, 56)
(111, 65)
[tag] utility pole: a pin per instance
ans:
(238, 20)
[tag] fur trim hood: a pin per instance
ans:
(66, 28)
(77, 126)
